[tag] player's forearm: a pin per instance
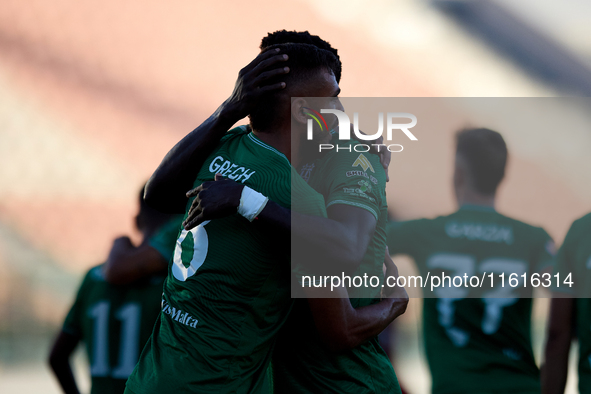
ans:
(59, 361)
(559, 337)
(64, 375)
(329, 240)
(343, 327)
(367, 322)
(176, 173)
(554, 371)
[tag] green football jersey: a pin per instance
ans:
(114, 322)
(476, 345)
(228, 289)
(574, 259)
(301, 362)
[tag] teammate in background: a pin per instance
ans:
(570, 311)
(114, 322)
(477, 345)
(127, 262)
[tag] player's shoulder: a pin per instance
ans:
(579, 228)
(535, 234)
(96, 274)
(582, 223)
(422, 222)
(435, 224)
(523, 226)
(439, 220)
(242, 144)
(235, 137)
(92, 278)
(245, 158)
(236, 132)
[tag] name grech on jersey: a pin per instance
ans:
(219, 165)
(178, 315)
(479, 231)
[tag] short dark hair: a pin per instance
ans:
(302, 37)
(485, 153)
(149, 219)
(305, 62)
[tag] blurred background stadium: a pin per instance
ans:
(93, 94)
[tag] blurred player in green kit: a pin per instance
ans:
(114, 321)
(570, 311)
(477, 345)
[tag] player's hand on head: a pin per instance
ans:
(254, 81)
(213, 200)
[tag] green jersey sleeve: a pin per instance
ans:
(164, 240)
(355, 181)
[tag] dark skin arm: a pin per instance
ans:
(127, 263)
(59, 361)
(176, 173)
(343, 327)
(348, 231)
(560, 329)
(343, 237)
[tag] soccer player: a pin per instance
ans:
(227, 292)
(113, 321)
(183, 159)
(353, 185)
(329, 343)
(570, 316)
(477, 345)
(361, 364)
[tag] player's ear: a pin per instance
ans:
(298, 106)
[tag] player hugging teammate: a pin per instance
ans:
(262, 209)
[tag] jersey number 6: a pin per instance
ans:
(190, 252)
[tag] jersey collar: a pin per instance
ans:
(266, 146)
(474, 207)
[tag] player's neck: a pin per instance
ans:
(278, 139)
(470, 197)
